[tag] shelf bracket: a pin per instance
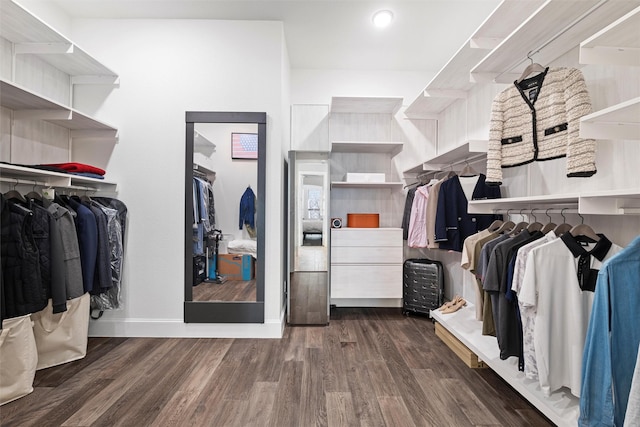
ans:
(487, 43)
(43, 115)
(96, 80)
(95, 134)
(439, 93)
(43, 48)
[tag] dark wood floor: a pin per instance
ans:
(231, 290)
(369, 367)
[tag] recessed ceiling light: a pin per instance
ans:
(382, 18)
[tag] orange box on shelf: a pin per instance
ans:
(363, 220)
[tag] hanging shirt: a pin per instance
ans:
(551, 285)
(417, 236)
(247, 209)
(612, 341)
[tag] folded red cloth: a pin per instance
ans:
(77, 167)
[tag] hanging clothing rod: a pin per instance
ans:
(535, 211)
(18, 181)
(554, 37)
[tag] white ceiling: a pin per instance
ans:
(323, 34)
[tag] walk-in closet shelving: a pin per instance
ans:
(618, 202)
(452, 81)
(374, 147)
(470, 151)
(547, 34)
(30, 35)
(620, 121)
(27, 105)
(618, 43)
(562, 408)
(54, 179)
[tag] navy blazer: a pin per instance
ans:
(87, 229)
(453, 223)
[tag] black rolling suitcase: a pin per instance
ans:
(423, 286)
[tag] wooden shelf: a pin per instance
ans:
(361, 185)
(578, 17)
(561, 407)
(617, 44)
(55, 179)
(616, 202)
(30, 106)
(392, 148)
(453, 79)
(31, 35)
(370, 105)
(621, 121)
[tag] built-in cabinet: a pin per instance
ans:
(366, 265)
(39, 123)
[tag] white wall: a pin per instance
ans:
(168, 67)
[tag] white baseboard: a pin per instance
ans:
(272, 328)
(367, 302)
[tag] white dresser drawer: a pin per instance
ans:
(366, 281)
(366, 255)
(366, 237)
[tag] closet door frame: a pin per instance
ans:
(224, 311)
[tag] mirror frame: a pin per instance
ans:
(224, 311)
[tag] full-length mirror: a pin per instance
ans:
(309, 237)
(224, 217)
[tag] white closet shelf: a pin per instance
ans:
(543, 34)
(390, 147)
(561, 407)
(615, 202)
(361, 185)
(55, 179)
(202, 168)
(30, 106)
(621, 121)
(371, 105)
(471, 150)
(202, 145)
(454, 76)
(31, 35)
(618, 43)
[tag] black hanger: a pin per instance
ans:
(14, 194)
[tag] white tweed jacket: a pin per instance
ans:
(539, 119)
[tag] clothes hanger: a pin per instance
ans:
(550, 225)
(531, 69)
(495, 225)
(468, 171)
(506, 225)
(564, 227)
(535, 225)
(519, 226)
(15, 194)
(583, 230)
(33, 194)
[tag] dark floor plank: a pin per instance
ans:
(443, 410)
(468, 403)
(261, 399)
(340, 410)
(313, 410)
(314, 336)
(381, 379)
(395, 412)
(363, 395)
(286, 408)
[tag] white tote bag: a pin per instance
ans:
(18, 358)
(62, 337)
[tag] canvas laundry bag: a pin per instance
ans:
(18, 358)
(62, 337)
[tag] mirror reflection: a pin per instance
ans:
(311, 240)
(225, 237)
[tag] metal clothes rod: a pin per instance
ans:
(18, 181)
(554, 38)
(536, 211)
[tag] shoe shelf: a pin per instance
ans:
(620, 121)
(369, 105)
(453, 80)
(616, 202)
(616, 44)
(562, 408)
(548, 34)
(33, 36)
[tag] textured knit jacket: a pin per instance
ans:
(539, 119)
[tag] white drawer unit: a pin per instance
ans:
(366, 264)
